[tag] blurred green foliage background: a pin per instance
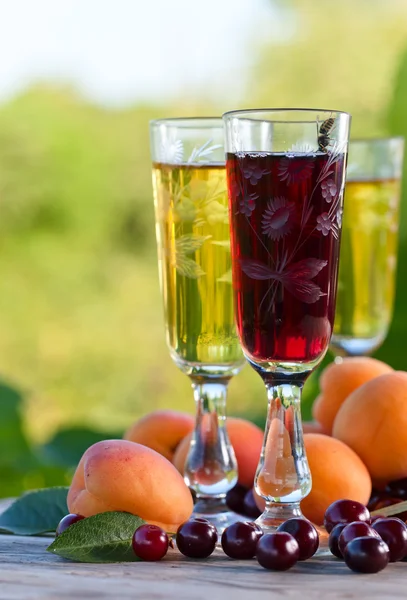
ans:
(82, 343)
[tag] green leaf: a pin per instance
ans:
(103, 538)
(188, 267)
(35, 512)
(186, 244)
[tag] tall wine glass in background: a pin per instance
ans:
(192, 228)
(286, 175)
(367, 271)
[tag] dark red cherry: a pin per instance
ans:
(305, 534)
(240, 540)
(196, 538)
(67, 521)
(235, 498)
(367, 554)
(345, 511)
(394, 532)
(397, 488)
(250, 507)
(334, 539)
(150, 542)
(352, 531)
(278, 551)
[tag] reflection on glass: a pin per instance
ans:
(368, 255)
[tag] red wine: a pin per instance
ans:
(285, 213)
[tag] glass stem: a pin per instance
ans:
(283, 477)
(211, 468)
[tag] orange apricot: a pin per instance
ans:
(246, 439)
(312, 427)
(373, 422)
(161, 430)
(337, 472)
(119, 475)
(340, 379)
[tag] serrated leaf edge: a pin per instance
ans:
(53, 547)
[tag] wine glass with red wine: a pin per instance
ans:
(286, 177)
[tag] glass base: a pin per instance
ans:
(276, 513)
(216, 511)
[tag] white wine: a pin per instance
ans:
(195, 264)
(366, 284)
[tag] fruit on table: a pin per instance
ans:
(338, 381)
(161, 430)
(394, 532)
(250, 508)
(345, 511)
(67, 521)
(246, 439)
(352, 531)
(240, 540)
(235, 498)
(196, 538)
(278, 551)
(366, 555)
(150, 542)
(313, 427)
(337, 472)
(305, 534)
(397, 488)
(118, 475)
(373, 422)
(333, 540)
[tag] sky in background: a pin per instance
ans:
(121, 51)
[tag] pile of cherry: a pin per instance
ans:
(367, 544)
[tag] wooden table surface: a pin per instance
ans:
(28, 572)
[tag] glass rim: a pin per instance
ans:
(250, 111)
(186, 121)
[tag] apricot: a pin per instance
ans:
(337, 472)
(373, 422)
(161, 430)
(246, 439)
(339, 380)
(119, 475)
(312, 427)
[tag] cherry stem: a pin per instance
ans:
(393, 509)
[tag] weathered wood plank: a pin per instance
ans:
(28, 572)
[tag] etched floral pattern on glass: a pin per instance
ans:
(286, 215)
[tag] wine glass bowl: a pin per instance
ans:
(286, 176)
(368, 257)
